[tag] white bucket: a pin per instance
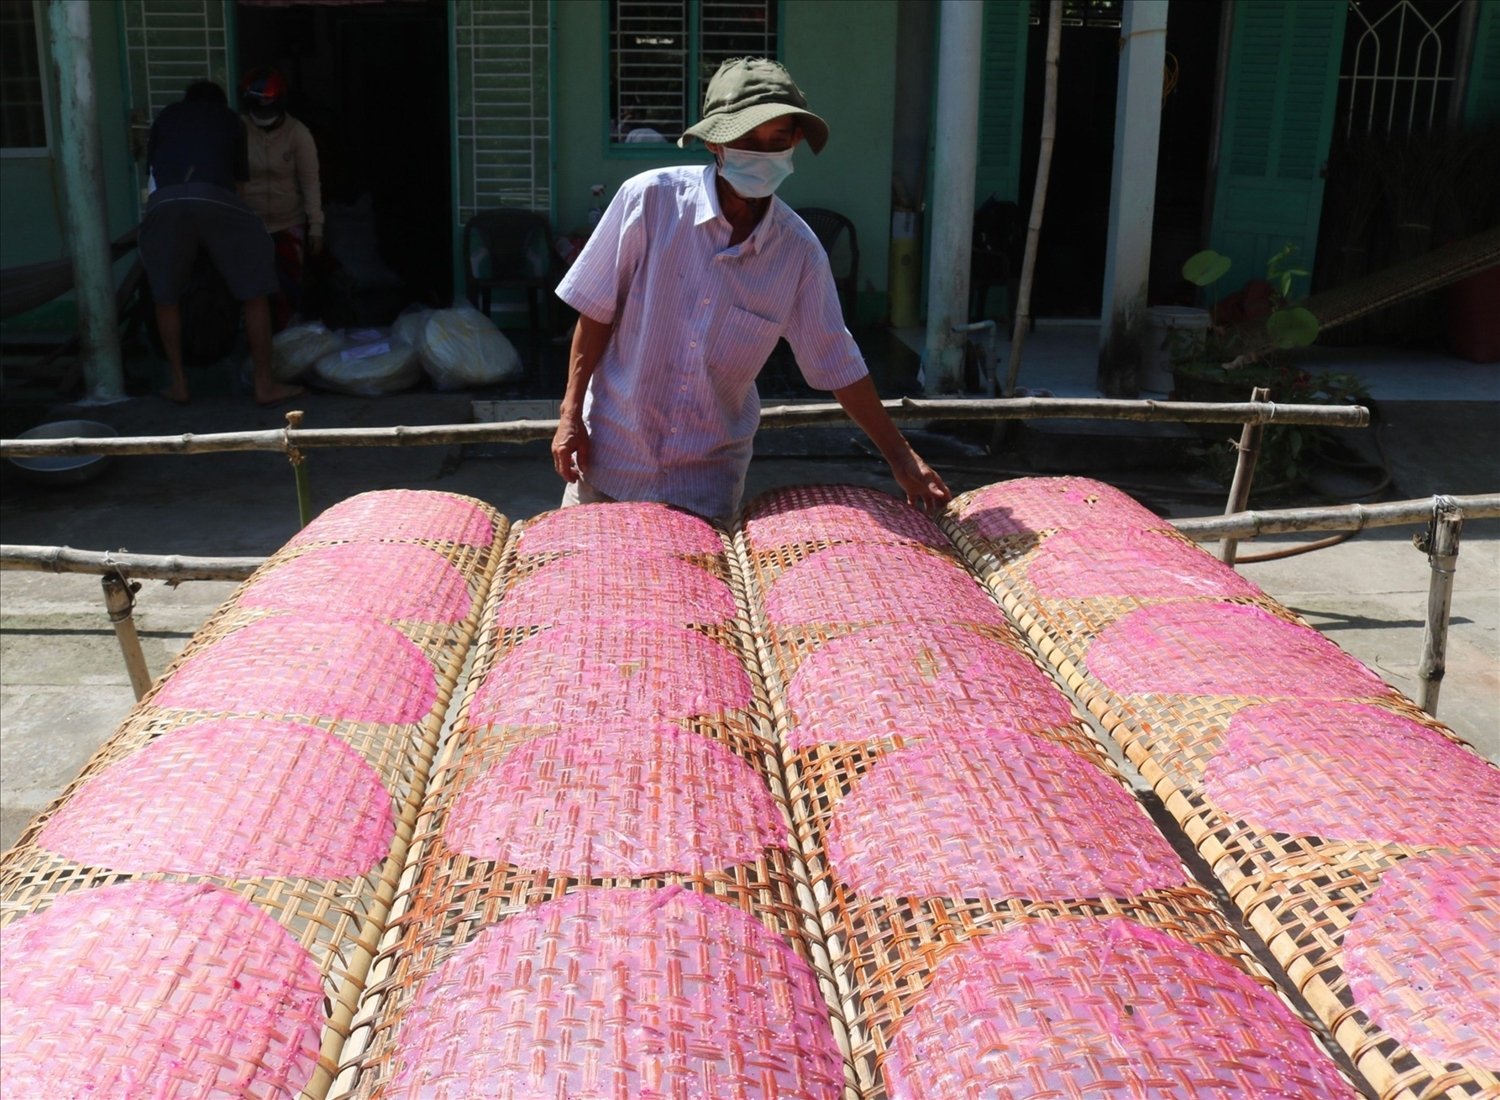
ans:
(1156, 357)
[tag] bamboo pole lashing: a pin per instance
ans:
(1244, 473)
(119, 601)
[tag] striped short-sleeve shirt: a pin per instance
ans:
(672, 407)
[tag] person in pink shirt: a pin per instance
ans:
(682, 291)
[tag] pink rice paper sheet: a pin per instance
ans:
(620, 995)
(344, 667)
(631, 526)
(615, 670)
(398, 515)
(642, 586)
(874, 583)
(1422, 956)
(1224, 649)
(155, 989)
(385, 580)
(1031, 505)
(995, 814)
(1094, 562)
(837, 513)
(1101, 1007)
(1353, 772)
(916, 681)
(617, 801)
(236, 799)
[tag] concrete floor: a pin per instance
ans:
(63, 687)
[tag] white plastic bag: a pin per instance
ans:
(462, 348)
(294, 350)
(373, 364)
(411, 327)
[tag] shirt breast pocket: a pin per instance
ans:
(742, 345)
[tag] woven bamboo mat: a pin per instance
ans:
(821, 515)
(948, 803)
(218, 874)
(1359, 838)
(603, 897)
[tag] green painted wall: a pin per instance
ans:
(1482, 103)
(30, 197)
(842, 54)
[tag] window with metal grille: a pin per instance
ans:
(1399, 66)
(23, 106)
(1082, 13)
(663, 52)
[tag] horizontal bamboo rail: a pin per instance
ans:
(1335, 517)
(171, 568)
(780, 416)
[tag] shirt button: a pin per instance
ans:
(705, 301)
(692, 343)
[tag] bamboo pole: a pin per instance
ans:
(1334, 517)
(1021, 308)
(298, 460)
(1440, 542)
(173, 568)
(119, 601)
(1244, 474)
(780, 416)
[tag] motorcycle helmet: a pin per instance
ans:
(263, 95)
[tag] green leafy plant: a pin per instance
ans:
(1227, 361)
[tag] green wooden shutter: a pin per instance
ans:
(503, 123)
(1278, 119)
(1482, 100)
(168, 45)
(1002, 99)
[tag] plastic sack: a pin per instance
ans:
(411, 327)
(294, 350)
(462, 348)
(374, 363)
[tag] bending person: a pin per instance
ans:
(682, 291)
(195, 154)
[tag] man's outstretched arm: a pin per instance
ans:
(920, 482)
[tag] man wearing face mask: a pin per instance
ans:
(284, 186)
(682, 291)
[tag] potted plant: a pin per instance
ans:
(1245, 347)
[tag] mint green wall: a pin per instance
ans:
(842, 54)
(30, 210)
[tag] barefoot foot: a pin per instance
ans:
(177, 394)
(271, 396)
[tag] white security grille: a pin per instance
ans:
(504, 113)
(663, 52)
(1398, 68)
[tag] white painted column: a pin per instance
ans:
(951, 205)
(85, 231)
(1132, 193)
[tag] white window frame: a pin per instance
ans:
(38, 19)
(696, 59)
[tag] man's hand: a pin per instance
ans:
(923, 486)
(570, 446)
(315, 244)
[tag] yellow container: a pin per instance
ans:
(905, 276)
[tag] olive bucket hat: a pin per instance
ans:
(747, 91)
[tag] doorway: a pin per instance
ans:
(371, 81)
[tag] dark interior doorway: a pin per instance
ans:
(1075, 229)
(371, 82)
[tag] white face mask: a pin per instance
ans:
(755, 175)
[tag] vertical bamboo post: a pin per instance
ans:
(119, 601)
(1440, 542)
(299, 471)
(1244, 474)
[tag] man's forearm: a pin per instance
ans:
(590, 338)
(863, 405)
